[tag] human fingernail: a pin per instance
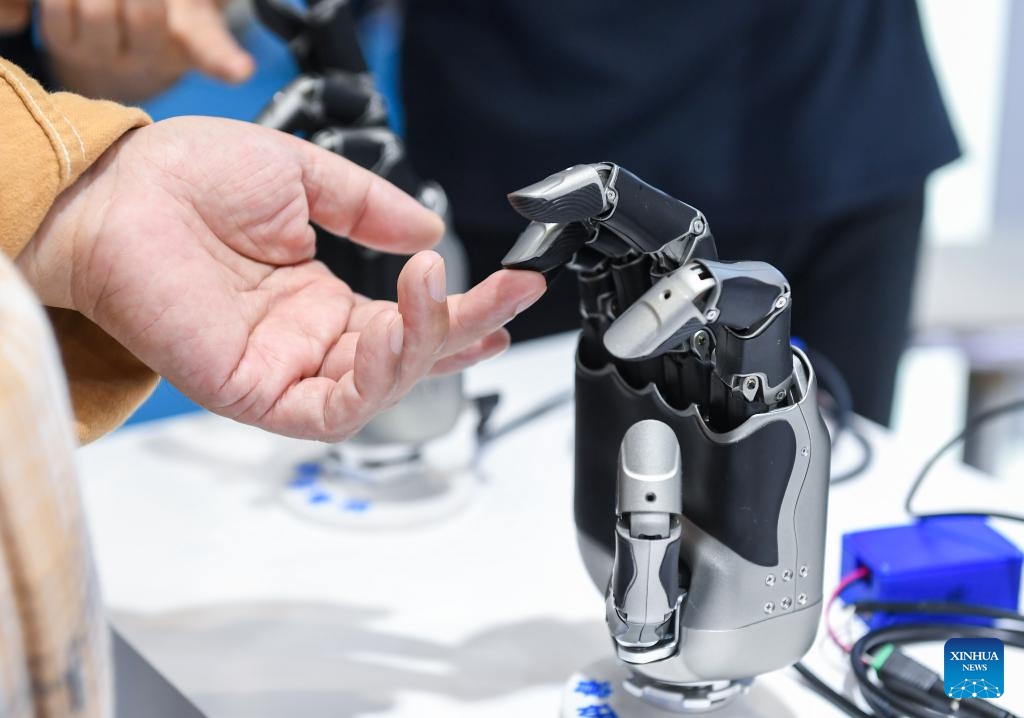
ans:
(237, 66)
(496, 353)
(526, 304)
(396, 335)
(437, 282)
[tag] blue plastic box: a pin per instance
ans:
(951, 559)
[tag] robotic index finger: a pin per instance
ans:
(571, 209)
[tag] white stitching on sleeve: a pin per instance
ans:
(67, 155)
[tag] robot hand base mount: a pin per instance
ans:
(607, 687)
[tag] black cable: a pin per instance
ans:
(893, 696)
(867, 456)
(972, 426)
(830, 694)
(832, 382)
(936, 608)
(923, 633)
(487, 435)
(889, 702)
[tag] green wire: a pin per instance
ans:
(878, 660)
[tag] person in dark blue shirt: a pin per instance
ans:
(804, 129)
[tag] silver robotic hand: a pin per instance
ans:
(701, 457)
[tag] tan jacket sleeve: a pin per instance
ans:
(46, 142)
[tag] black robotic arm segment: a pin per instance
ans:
(282, 18)
(321, 37)
(375, 148)
(310, 102)
(652, 222)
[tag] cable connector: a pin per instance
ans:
(911, 679)
(902, 673)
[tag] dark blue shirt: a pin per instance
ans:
(756, 111)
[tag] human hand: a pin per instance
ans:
(14, 15)
(129, 50)
(189, 242)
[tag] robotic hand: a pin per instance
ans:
(336, 104)
(687, 387)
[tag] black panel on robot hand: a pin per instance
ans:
(647, 218)
(720, 475)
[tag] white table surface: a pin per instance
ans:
(254, 612)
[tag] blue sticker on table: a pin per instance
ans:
(318, 497)
(594, 689)
(301, 482)
(597, 711)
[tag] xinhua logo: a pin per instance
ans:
(974, 668)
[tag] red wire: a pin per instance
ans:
(851, 578)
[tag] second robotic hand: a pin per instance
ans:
(377, 149)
